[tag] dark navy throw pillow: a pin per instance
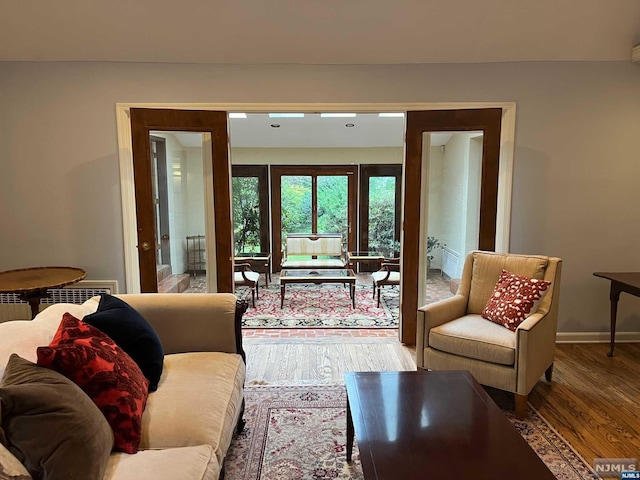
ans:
(132, 333)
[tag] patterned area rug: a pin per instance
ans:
(321, 306)
(299, 432)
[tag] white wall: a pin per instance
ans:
(435, 219)
(316, 156)
(575, 176)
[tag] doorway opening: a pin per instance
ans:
(286, 159)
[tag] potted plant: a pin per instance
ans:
(432, 244)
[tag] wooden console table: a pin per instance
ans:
(620, 282)
(32, 284)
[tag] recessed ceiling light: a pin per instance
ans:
(389, 114)
(286, 115)
(237, 115)
(333, 115)
(275, 125)
(349, 125)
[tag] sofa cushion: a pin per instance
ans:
(105, 372)
(51, 425)
(22, 337)
(10, 466)
(186, 463)
(198, 401)
(514, 298)
(251, 276)
(381, 275)
(132, 333)
(25, 336)
(473, 337)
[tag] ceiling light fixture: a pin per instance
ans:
(286, 115)
(349, 125)
(335, 115)
(237, 115)
(390, 114)
(275, 125)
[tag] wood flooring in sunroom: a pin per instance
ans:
(592, 401)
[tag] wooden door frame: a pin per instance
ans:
(277, 171)
(262, 173)
(488, 121)
(123, 127)
(145, 120)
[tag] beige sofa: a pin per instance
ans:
(189, 421)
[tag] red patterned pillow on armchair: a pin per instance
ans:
(514, 299)
(109, 376)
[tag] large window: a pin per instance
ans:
(313, 199)
(250, 208)
(380, 209)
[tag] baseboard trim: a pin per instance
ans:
(596, 337)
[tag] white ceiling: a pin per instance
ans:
(368, 130)
(313, 131)
(318, 31)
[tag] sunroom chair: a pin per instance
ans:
(453, 335)
(389, 274)
(243, 276)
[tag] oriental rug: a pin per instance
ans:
(320, 306)
(299, 432)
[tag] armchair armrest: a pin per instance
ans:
(433, 315)
(535, 349)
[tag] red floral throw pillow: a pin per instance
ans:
(103, 370)
(514, 298)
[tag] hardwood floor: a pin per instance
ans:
(593, 401)
(322, 360)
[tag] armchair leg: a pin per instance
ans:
(549, 373)
(521, 405)
(253, 298)
(374, 291)
(379, 297)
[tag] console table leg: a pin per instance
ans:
(614, 297)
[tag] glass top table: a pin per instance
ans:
(345, 276)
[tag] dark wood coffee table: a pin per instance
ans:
(433, 425)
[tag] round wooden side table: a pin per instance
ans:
(32, 284)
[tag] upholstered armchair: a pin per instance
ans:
(389, 274)
(453, 335)
(243, 276)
